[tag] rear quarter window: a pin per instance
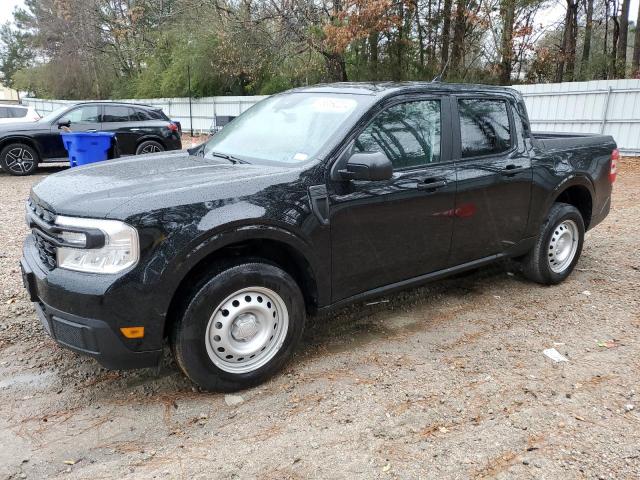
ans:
(484, 127)
(18, 112)
(157, 115)
(141, 115)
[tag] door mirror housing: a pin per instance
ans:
(64, 122)
(373, 166)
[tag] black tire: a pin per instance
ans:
(149, 146)
(19, 159)
(189, 339)
(537, 265)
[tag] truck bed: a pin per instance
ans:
(565, 141)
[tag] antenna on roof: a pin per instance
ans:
(438, 78)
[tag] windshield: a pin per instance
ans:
(290, 128)
(51, 115)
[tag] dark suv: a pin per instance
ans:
(139, 129)
(311, 199)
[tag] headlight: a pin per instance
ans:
(119, 251)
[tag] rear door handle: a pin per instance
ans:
(511, 170)
(431, 184)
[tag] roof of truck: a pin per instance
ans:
(382, 89)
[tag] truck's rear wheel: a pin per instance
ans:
(558, 246)
(19, 159)
(239, 327)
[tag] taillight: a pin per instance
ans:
(173, 127)
(613, 171)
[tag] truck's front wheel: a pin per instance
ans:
(558, 246)
(239, 327)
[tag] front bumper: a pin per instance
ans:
(57, 293)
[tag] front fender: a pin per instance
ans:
(228, 236)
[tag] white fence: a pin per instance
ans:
(611, 107)
(604, 106)
(204, 110)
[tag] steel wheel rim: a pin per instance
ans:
(151, 149)
(19, 160)
(246, 330)
(563, 246)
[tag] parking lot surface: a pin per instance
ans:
(445, 381)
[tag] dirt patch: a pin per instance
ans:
(445, 381)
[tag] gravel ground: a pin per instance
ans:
(445, 381)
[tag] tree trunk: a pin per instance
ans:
(420, 35)
(373, 54)
(586, 49)
(622, 40)
(563, 48)
(446, 34)
(606, 38)
(507, 12)
(336, 67)
(635, 62)
(572, 39)
(459, 29)
(614, 47)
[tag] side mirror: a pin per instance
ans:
(368, 166)
(64, 122)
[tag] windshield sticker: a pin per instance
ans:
(333, 105)
(300, 157)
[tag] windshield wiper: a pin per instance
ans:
(231, 158)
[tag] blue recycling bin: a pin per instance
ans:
(87, 147)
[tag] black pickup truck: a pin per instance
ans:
(312, 199)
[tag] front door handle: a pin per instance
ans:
(511, 170)
(91, 130)
(431, 184)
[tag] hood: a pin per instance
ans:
(6, 128)
(128, 186)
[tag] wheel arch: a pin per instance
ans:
(4, 142)
(580, 194)
(281, 253)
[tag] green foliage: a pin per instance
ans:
(15, 53)
(80, 49)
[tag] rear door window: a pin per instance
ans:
(117, 114)
(484, 127)
(408, 133)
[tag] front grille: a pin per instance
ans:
(46, 249)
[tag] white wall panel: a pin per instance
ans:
(611, 107)
(600, 106)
